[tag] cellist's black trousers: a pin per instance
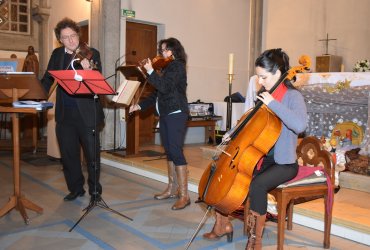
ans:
(267, 178)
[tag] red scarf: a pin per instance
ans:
(280, 92)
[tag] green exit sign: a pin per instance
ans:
(128, 13)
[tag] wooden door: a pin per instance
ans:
(141, 43)
(84, 33)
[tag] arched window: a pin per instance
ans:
(15, 16)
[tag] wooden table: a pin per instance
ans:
(17, 200)
(209, 126)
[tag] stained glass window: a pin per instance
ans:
(15, 16)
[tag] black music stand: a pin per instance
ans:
(89, 82)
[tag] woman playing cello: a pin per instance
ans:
(279, 164)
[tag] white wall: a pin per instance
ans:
(209, 31)
(76, 10)
(297, 25)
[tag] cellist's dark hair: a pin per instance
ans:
(273, 59)
(66, 23)
(175, 46)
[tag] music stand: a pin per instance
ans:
(15, 86)
(90, 83)
(132, 72)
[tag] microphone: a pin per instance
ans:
(77, 76)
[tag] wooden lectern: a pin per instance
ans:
(139, 125)
(12, 88)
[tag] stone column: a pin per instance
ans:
(255, 33)
(105, 30)
(41, 15)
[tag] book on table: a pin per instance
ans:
(33, 104)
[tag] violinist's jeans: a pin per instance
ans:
(172, 128)
(267, 178)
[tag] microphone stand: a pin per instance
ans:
(229, 103)
(115, 108)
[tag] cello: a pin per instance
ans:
(225, 183)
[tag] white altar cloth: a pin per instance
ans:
(356, 78)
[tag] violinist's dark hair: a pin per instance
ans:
(274, 59)
(66, 23)
(175, 46)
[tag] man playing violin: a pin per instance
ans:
(171, 104)
(74, 114)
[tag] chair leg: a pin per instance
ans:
(290, 215)
(282, 205)
(327, 225)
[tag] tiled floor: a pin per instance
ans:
(154, 225)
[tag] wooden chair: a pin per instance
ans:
(309, 153)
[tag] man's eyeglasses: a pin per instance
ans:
(65, 38)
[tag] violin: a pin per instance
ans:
(158, 62)
(224, 185)
(83, 51)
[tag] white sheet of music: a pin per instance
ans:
(126, 92)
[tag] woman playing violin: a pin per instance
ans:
(74, 114)
(280, 163)
(171, 104)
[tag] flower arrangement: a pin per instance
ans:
(362, 66)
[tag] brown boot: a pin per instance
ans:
(255, 225)
(246, 212)
(182, 177)
(172, 187)
(221, 228)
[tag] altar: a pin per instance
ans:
(335, 98)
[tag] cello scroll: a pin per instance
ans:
(305, 62)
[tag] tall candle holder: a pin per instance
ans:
(229, 103)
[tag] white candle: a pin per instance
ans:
(231, 63)
(342, 68)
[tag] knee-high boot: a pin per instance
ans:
(182, 177)
(246, 212)
(172, 188)
(255, 225)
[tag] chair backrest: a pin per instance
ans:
(310, 152)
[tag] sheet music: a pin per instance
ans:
(126, 92)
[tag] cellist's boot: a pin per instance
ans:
(221, 228)
(182, 177)
(246, 212)
(255, 225)
(172, 188)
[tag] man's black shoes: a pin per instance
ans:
(72, 196)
